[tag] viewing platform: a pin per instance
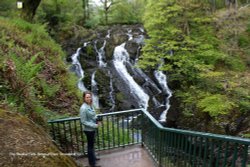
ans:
(130, 156)
(133, 138)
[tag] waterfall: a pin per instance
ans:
(141, 29)
(111, 96)
(121, 57)
(94, 90)
(121, 74)
(78, 69)
(137, 71)
(80, 74)
(101, 54)
(162, 79)
(108, 35)
(139, 39)
(130, 36)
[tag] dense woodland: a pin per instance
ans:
(204, 44)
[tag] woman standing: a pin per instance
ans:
(88, 119)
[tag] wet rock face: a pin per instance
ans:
(102, 58)
(88, 57)
(133, 50)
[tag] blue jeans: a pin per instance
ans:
(91, 149)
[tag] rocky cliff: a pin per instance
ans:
(110, 70)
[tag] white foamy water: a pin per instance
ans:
(121, 56)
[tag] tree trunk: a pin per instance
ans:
(236, 4)
(84, 10)
(106, 11)
(88, 11)
(214, 5)
(29, 9)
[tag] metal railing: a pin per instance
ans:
(118, 129)
(168, 147)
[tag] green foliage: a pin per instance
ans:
(209, 55)
(27, 70)
(57, 12)
(244, 42)
(70, 82)
(8, 8)
(36, 35)
(243, 98)
(235, 63)
(199, 50)
(24, 25)
(49, 90)
(247, 136)
(127, 12)
(36, 60)
(58, 15)
(244, 105)
(215, 104)
(93, 22)
(158, 20)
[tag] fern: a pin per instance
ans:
(27, 70)
(49, 90)
(215, 104)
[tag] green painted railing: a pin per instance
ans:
(118, 129)
(168, 147)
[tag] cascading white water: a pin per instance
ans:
(140, 39)
(80, 73)
(141, 29)
(137, 71)
(94, 90)
(111, 96)
(78, 70)
(121, 57)
(108, 35)
(101, 54)
(130, 36)
(162, 79)
(121, 62)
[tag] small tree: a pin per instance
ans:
(85, 6)
(106, 6)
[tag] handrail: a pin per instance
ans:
(68, 132)
(168, 146)
(196, 133)
(105, 114)
(176, 147)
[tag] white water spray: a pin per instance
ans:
(78, 70)
(121, 57)
(162, 79)
(94, 90)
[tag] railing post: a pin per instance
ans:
(160, 147)
(142, 130)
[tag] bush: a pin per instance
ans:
(235, 63)
(215, 104)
